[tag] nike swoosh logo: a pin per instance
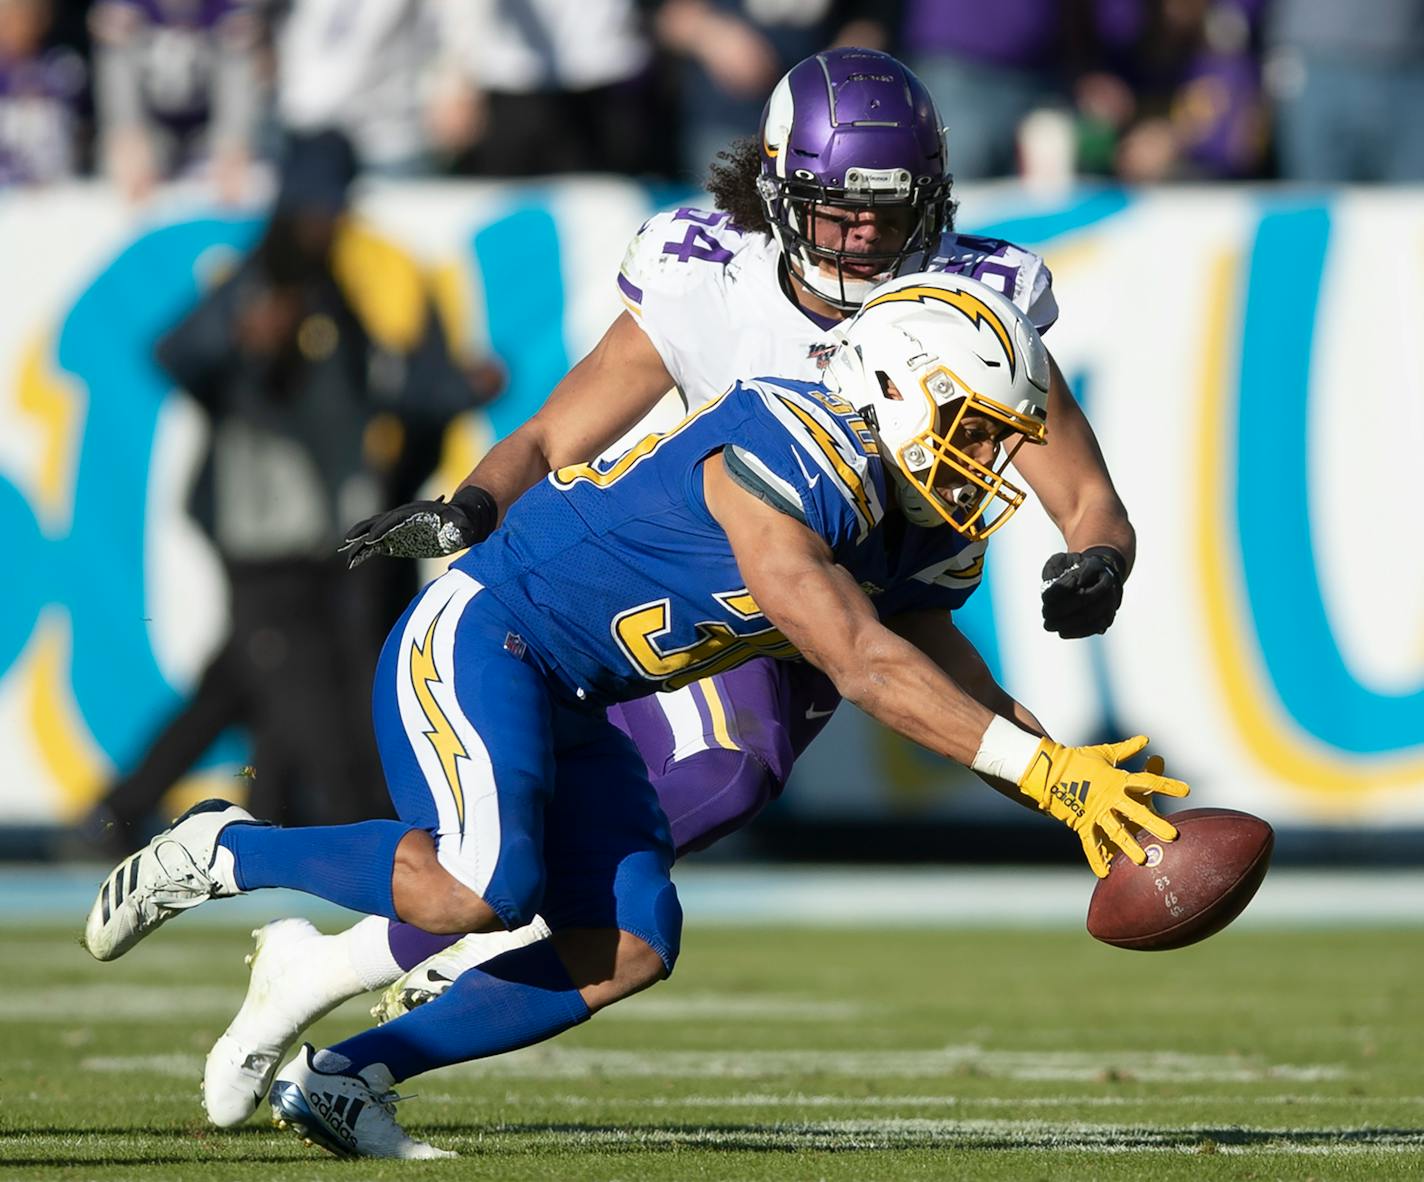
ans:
(812, 713)
(811, 481)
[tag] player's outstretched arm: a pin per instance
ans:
(592, 406)
(1082, 585)
(933, 632)
(817, 605)
(597, 402)
(1092, 813)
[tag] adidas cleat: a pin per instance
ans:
(296, 980)
(429, 979)
(350, 1114)
(180, 868)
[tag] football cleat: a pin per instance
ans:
(295, 981)
(180, 868)
(429, 979)
(348, 1113)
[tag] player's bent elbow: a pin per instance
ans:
(857, 672)
(856, 683)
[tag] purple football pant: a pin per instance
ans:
(718, 752)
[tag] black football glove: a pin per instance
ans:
(424, 529)
(1082, 592)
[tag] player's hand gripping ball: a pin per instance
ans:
(1102, 802)
(1187, 889)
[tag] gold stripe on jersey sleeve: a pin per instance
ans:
(602, 478)
(847, 477)
(968, 573)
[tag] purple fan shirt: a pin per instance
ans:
(1025, 34)
(179, 42)
(40, 100)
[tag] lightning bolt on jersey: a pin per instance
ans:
(623, 584)
(710, 298)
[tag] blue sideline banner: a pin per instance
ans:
(1249, 357)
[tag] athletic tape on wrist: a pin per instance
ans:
(1006, 751)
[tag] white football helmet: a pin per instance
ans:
(924, 354)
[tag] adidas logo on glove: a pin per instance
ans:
(1074, 795)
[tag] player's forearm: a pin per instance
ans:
(592, 407)
(511, 468)
(1071, 480)
(896, 684)
(1102, 523)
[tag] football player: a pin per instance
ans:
(781, 519)
(846, 186)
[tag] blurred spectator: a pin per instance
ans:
(41, 89)
(176, 89)
(360, 67)
(1348, 85)
(1178, 94)
(545, 86)
(988, 66)
(293, 387)
(732, 52)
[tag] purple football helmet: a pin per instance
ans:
(851, 129)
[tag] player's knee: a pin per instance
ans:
(426, 894)
(519, 879)
(667, 926)
(606, 965)
(713, 793)
(443, 906)
(655, 919)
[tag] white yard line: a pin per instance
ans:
(1001, 1136)
(550, 1062)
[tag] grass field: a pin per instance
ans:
(784, 1053)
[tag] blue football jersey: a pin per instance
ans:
(623, 584)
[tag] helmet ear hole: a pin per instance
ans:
(888, 389)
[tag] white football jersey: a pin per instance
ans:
(711, 300)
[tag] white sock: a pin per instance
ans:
(368, 953)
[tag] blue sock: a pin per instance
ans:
(348, 864)
(516, 999)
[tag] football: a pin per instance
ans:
(1189, 889)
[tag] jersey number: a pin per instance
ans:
(718, 647)
(698, 243)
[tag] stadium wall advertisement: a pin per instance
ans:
(1250, 358)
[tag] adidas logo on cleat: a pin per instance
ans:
(339, 1113)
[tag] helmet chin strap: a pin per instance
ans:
(843, 292)
(916, 509)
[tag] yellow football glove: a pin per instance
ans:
(1085, 789)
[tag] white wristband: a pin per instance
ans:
(1006, 751)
